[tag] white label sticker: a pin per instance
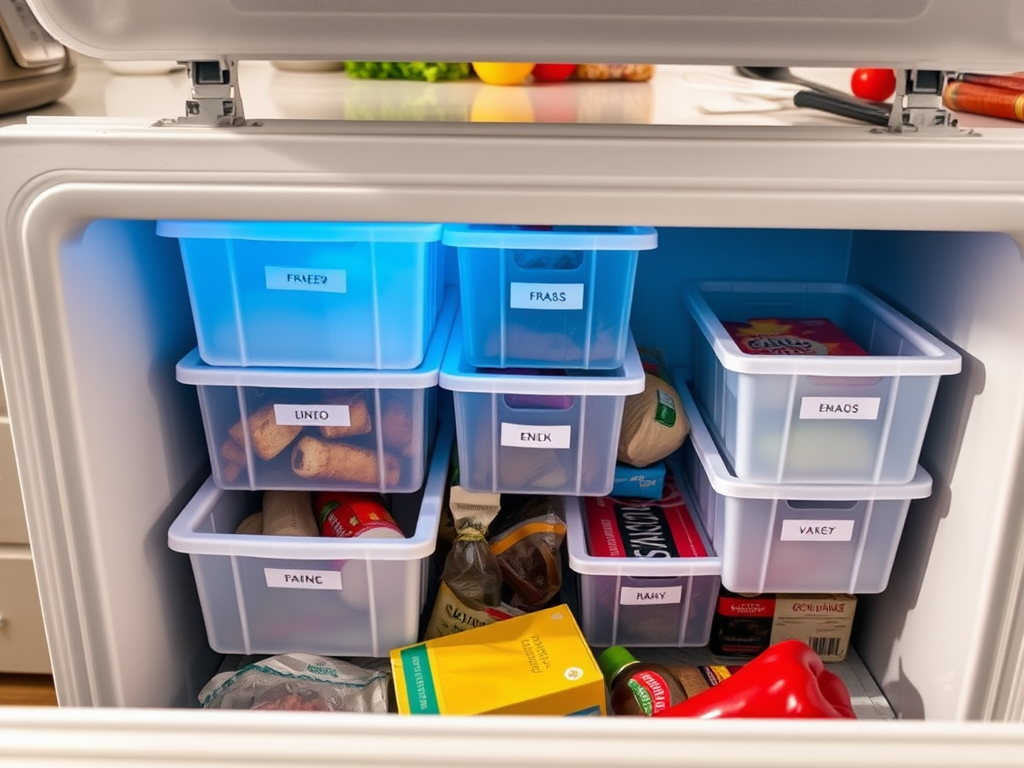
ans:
(295, 279)
(650, 596)
(284, 578)
(530, 436)
(546, 296)
(320, 415)
(817, 530)
(859, 408)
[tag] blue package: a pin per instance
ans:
(639, 483)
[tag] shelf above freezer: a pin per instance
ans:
(937, 34)
(677, 95)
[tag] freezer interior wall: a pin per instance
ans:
(129, 322)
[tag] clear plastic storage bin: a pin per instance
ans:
(643, 601)
(547, 297)
(311, 294)
(792, 537)
(816, 418)
(543, 432)
(286, 594)
(320, 429)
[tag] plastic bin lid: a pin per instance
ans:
(936, 34)
(301, 231)
(183, 535)
(555, 238)
(458, 376)
(936, 358)
(727, 484)
(582, 562)
(192, 370)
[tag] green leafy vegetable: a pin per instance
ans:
(431, 71)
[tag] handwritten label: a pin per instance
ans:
(530, 436)
(817, 530)
(650, 596)
(855, 408)
(296, 279)
(286, 415)
(546, 296)
(284, 578)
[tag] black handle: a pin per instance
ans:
(857, 110)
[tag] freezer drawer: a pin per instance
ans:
(22, 640)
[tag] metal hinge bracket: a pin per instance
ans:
(216, 99)
(917, 103)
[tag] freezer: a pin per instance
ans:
(110, 448)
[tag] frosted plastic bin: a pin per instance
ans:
(812, 418)
(290, 594)
(643, 601)
(310, 294)
(556, 297)
(538, 433)
(792, 537)
(320, 429)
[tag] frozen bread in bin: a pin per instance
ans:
(547, 297)
(345, 597)
(815, 418)
(311, 294)
(679, 593)
(795, 537)
(542, 432)
(317, 428)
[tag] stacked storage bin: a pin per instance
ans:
(804, 465)
(542, 360)
(319, 350)
(540, 366)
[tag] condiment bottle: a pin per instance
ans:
(351, 515)
(638, 688)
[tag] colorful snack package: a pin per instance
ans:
(784, 336)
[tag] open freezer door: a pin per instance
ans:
(927, 34)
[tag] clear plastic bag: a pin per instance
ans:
(299, 681)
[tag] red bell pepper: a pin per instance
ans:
(787, 680)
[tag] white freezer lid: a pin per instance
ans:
(924, 34)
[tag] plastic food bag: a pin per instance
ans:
(528, 548)
(469, 595)
(299, 681)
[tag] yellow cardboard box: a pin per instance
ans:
(534, 664)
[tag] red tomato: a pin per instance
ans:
(873, 84)
(553, 73)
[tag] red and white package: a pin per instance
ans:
(633, 528)
(785, 336)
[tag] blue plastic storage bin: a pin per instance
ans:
(544, 432)
(309, 429)
(547, 297)
(311, 294)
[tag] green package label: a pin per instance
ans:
(419, 681)
(666, 411)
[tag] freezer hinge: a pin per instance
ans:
(216, 99)
(917, 103)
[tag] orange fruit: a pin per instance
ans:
(499, 73)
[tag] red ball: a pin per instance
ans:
(553, 73)
(873, 84)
